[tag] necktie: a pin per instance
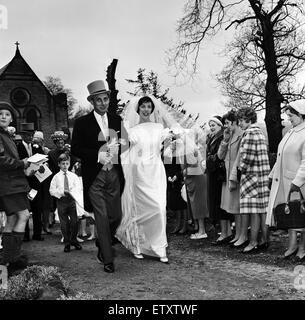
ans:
(66, 183)
(105, 129)
(28, 149)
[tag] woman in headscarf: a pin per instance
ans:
(215, 177)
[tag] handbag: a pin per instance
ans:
(290, 215)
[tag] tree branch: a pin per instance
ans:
(240, 21)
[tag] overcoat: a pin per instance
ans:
(12, 177)
(289, 168)
(228, 152)
(214, 176)
(87, 139)
(254, 166)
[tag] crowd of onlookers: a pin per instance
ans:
(15, 149)
(232, 183)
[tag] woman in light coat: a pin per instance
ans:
(288, 173)
(228, 151)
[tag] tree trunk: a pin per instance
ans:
(111, 84)
(273, 95)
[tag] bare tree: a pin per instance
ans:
(273, 61)
(243, 78)
(55, 86)
(148, 83)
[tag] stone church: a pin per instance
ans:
(35, 106)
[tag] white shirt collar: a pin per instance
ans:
(98, 116)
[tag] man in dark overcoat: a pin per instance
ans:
(26, 150)
(103, 179)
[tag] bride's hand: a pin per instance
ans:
(113, 149)
(104, 157)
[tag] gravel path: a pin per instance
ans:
(197, 270)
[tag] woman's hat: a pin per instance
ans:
(217, 119)
(95, 88)
(6, 106)
(38, 134)
(298, 105)
(59, 135)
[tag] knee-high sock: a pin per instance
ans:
(8, 243)
(18, 238)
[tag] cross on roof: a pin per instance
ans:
(17, 44)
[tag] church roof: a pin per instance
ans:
(3, 69)
(19, 67)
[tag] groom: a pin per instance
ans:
(103, 178)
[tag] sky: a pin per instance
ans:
(76, 40)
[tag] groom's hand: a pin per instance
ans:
(104, 157)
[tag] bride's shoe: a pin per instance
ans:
(138, 256)
(164, 259)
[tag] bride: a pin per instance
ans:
(143, 226)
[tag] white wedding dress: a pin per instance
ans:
(143, 225)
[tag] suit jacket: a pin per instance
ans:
(12, 176)
(87, 139)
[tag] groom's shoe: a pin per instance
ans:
(97, 243)
(114, 241)
(109, 267)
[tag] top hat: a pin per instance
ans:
(26, 127)
(95, 88)
(6, 106)
(298, 105)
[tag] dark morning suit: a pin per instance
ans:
(102, 189)
(37, 202)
